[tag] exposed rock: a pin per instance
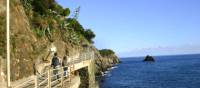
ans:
(103, 63)
(3, 43)
(30, 54)
(149, 58)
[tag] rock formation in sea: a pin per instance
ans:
(149, 58)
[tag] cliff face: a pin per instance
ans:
(2, 42)
(30, 53)
(104, 62)
(21, 43)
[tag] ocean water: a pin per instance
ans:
(181, 71)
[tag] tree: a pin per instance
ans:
(42, 6)
(74, 24)
(89, 35)
(66, 12)
(57, 8)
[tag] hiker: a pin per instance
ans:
(55, 64)
(64, 64)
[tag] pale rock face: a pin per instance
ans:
(75, 56)
(2, 72)
(104, 63)
(3, 76)
(2, 6)
(41, 67)
(2, 29)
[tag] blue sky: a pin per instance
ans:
(141, 27)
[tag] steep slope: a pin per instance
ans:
(31, 44)
(2, 42)
(106, 60)
(30, 53)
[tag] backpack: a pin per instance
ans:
(55, 61)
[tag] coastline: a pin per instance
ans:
(166, 72)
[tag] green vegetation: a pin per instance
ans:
(71, 37)
(106, 52)
(42, 6)
(2, 35)
(40, 33)
(89, 35)
(66, 12)
(27, 4)
(84, 76)
(46, 16)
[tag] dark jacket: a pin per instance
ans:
(64, 62)
(55, 61)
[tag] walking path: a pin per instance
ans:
(48, 79)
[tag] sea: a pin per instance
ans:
(175, 71)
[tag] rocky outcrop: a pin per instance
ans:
(103, 63)
(149, 58)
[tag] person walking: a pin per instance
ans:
(55, 63)
(64, 64)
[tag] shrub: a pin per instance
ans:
(66, 12)
(40, 22)
(74, 24)
(57, 8)
(42, 6)
(106, 52)
(39, 32)
(72, 37)
(27, 4)
(89, 35)
(53, 23)
(2, 34)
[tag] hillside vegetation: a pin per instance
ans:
(37, 25)
(46, 16)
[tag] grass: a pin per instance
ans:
(39, 32)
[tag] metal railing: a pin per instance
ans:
(49, 79)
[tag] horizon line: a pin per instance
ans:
(163, 55)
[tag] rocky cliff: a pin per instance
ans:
(107, 59)
(2, 42)
(31, 43)
(29, 53)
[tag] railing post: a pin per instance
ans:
(62, 74)
(92, 55)
(69, 73)
(85, 57)
(36, 83)
(49, 78)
